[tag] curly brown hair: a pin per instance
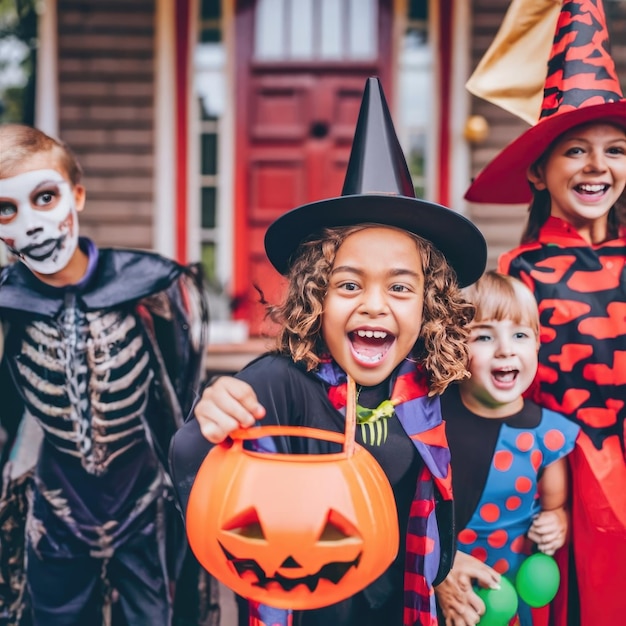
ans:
(442, 344)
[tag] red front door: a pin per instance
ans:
(295, 123)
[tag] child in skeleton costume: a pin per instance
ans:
(571, 167)
(372, 295)
(103, 350)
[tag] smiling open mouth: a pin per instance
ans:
(588, 189)
(370, 346)
(505, 376)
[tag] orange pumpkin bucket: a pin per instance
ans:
(297, 531)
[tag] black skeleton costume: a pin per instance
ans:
(102, 373)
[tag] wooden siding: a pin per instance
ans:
(503, 225)
(106, 109)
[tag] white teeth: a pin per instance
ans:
(592, 188)
(371, 359)
(377, 334)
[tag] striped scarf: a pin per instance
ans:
(420, 417)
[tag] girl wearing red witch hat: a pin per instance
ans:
(572, 163)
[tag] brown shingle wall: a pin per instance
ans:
(106, 110)
(503, 225)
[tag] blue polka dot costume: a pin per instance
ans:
(496, 533)
(507, 458)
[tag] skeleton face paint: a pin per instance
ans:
(38, 220)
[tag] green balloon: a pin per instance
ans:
(538, 580)
(500, 604)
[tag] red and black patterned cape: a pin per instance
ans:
(581, 293)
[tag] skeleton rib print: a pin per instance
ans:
(86, 380)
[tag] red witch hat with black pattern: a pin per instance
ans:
(581, 87)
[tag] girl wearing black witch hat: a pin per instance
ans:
(373, 296)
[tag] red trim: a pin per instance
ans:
(445, 79)
(244, 28)
(182, 127)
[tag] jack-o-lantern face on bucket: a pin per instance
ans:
(318, 553)
(292, 531)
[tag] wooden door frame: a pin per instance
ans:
(451, 29)
(244, 40)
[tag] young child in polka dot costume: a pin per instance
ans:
(509, 472)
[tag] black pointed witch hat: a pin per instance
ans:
(378, 189)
